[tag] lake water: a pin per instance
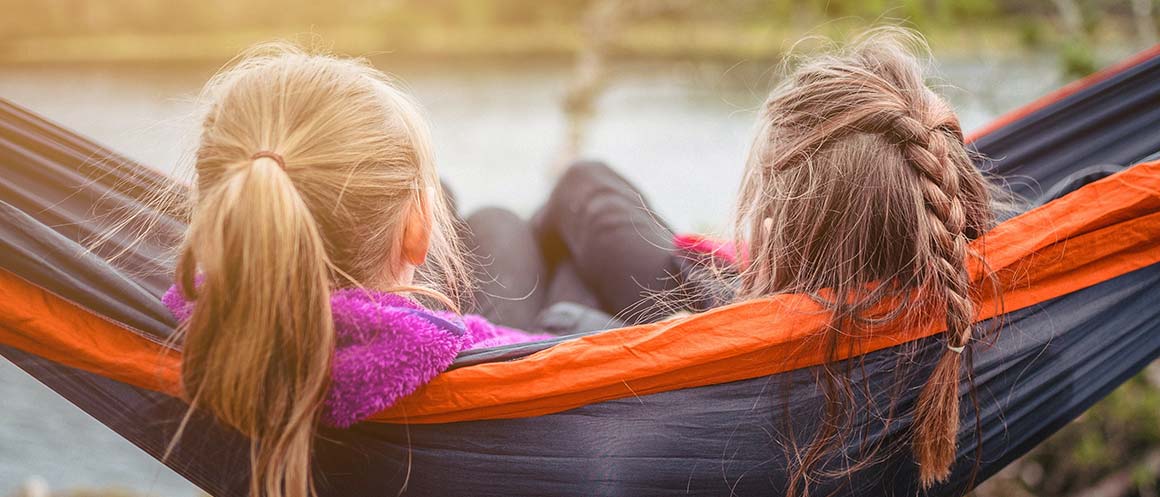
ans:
(678, 129)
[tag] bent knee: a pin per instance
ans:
(492, 216)
(586, 171)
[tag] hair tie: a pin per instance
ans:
(270, 155)
(957, 350)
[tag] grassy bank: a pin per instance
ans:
(644, 39)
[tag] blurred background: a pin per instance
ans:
(664, 90)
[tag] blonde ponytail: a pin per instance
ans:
(306, 169)
(260, 340)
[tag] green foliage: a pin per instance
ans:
(73, 16)
(125, 30)
(1077, 59)
(1032, 33)
(1093, 14)
(916, 12)
(1115, 435)
(967, 10)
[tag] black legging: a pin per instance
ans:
(596, 243)
(509, 270)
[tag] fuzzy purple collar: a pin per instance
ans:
(388, 346)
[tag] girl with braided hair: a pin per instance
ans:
(860, 190)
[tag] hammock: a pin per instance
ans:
(696, 405)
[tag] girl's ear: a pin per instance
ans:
(417, 229)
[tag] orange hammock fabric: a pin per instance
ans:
(1103, 230)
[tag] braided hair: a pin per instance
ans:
(859, 190)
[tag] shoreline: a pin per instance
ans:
(650, 41)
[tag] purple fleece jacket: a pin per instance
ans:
(387, 347)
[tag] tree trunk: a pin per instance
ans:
(1145, 23)
(1071, 15)
(600, 25)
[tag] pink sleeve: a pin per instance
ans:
(720, 250)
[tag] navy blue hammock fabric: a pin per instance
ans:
(1051, 362)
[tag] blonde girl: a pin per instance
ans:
(315, 200)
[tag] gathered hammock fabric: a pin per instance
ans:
(700, 405)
